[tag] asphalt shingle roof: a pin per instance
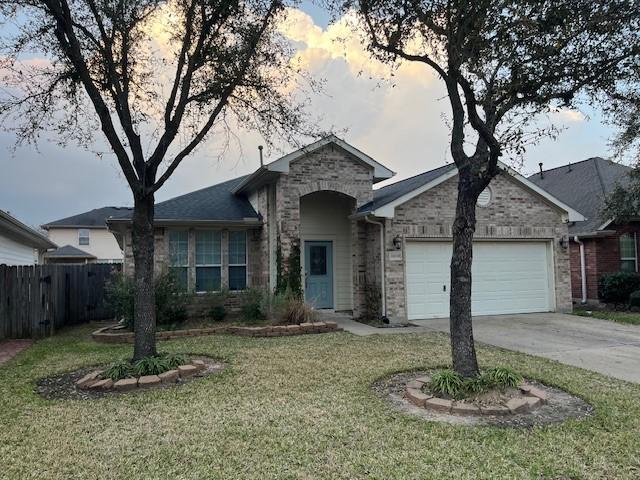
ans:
(388, 194)
(583, 186)
(68, 251)
(215, 203)
(93, 218)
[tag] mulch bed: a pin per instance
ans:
(63, 387)
(559, 407)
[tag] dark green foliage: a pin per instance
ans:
(617, 287)
(294, 270)
(449, 384)
(151, 366)
(218, 311)
(118, 370)
(170, 299)
(253, 304)
(174, 360)
(281, 283)
(634, 299)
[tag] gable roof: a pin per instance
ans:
(14, 228)
(211, 204)
(281, 165)
(584, 185)
(68, 251)
(387, 198)
(95, 218)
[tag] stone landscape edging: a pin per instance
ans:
(103, 336)
(534, 397)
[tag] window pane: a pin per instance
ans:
(237, 248)
(207, 279)
(208, 248)
(83, 236)
(180, 274)
(628, 265)
(237, 278)
(318, 260)
(627, 246)
(178, 248)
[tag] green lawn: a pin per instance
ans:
(298, 407)
(632, 318)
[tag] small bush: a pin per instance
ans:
(254, 304)
(447, 382)
(118, 370)
(218, 311)
(289, 309)
(174, 360)
(634, 299)
(170, 299)
(503, 377)
(617, 287)
(151, 366)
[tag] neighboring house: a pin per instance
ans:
(85, 237)
(598, 245)
(20, 244)
(354, 241)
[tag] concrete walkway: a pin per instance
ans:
(10, 348)
(601, 346)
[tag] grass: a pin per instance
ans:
(298, 407)
(632, 318)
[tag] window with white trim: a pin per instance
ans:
(83, 236)
(208, 261)
(628, 253)
(179, 256)
(237, 260)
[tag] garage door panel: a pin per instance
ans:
(508, 277)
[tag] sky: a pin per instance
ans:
(400, 122)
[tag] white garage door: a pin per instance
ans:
(508, 277)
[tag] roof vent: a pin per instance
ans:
(569, 169)
(261, 161)
(541, 173)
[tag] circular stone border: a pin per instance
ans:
(102, 335)
(559, 405)
(86, 383)
(533, 397)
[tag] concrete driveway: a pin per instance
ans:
(601, 346)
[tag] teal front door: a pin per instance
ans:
(318, 270)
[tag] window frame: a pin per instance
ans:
(197, 265)
(80, 236)
(635, 250)
(245, 264)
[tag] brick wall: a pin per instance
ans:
(514, 213)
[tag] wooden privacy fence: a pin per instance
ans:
(37, 300)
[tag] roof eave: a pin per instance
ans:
(26, 233)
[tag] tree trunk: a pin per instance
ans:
(463, 349)
(145, 308)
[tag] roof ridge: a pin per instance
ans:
(599, 175)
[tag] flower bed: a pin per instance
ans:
(514, 401)
(113, 335)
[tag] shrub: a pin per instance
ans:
(174, 360)
(254, 304)
(170, 299)
(218, 311)
(289, 309)
(634, 299)
(118, 370)
(151, 366)
(447, 382)
(617, 287)
(372, 302)
(503, 377)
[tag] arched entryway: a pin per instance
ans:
(326, 242)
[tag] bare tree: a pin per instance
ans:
(503, 63)
(157, 77)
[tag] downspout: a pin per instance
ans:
(583, 269)
(382, 264)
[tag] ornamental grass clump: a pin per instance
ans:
(153, 365)
(449, 384)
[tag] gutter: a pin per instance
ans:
(382, 265)
(583, 269)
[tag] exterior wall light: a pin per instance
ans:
(397, 242)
